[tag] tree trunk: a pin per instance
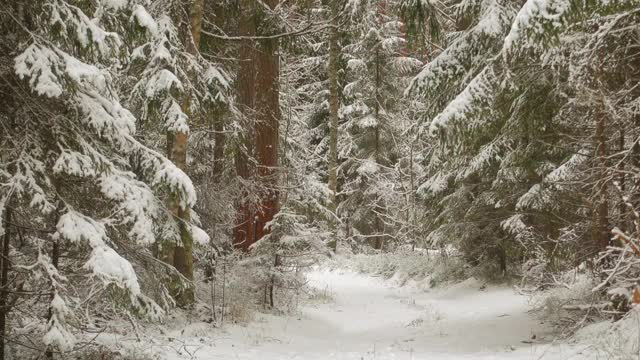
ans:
(622, 206)
(333, 122)
(601, 206)
(600, 231)
(219, 16)
(379, 239)
(258, 94)
(218, 148)
(347, 226)
(412, 196)
(4, 283)
(55, 260)
(634, 164)
(502, 260)
(245, 88)
(196, 13)
(181, 255)
(267, 124)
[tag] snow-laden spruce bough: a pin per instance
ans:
(75, 171)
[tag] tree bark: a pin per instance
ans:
(267, 128)
(379, 239)
(634, 163)
(412, 196)
(600, 231)
(245, 89)
(55, 260)
(219, 15)
(4, 273)
(258, 94)
(181, 255)
(601, 206)
(333, 122)
(622, 206)
(196, 13)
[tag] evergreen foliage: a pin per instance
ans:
(141, 139)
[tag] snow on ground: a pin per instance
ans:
(367, 318)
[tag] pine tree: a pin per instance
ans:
(373, 103)
(75, 176)
(334, 106)
(502, 184)
(171, 98)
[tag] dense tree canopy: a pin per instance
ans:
(146, 143)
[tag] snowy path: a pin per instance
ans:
(369, 319)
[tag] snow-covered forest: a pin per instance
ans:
(319, 179)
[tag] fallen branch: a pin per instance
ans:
(584, 307)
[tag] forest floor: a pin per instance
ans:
(361, 317)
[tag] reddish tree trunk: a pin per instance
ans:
(267, 122)
(258, 96)
(245, 87)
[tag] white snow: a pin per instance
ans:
(175, 119)
(567, 171)
(465, 52)
(105, 263)
(172, 176)
(74, 163)
(199, 236)
(215, 75)
(76, 227)
(368, 121)
(112, 268)
(78, 27)
(435, 184)
(57, 335)
(36, 63)
(145, 20)
(368, 167)
(368, 318)
(162, 81)
(536, 198)
(514, 224)
(533, 15)
(356, 65)
(480, 88)
(114, 4)
(137, 204)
